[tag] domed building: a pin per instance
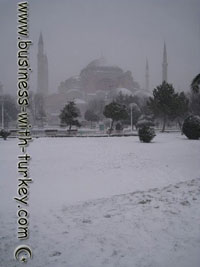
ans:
(99, 76)
(97, 80)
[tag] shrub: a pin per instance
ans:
(145, 120)
(118, 127)
(4, 134)
(146, 134)
(191, 127)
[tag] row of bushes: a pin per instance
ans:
(191, 129)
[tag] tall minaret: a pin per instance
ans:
(164, 64)
(42, 64)
(147, 76)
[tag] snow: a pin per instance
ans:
(123, 91)
(142, 93)
(109, 201)
(102, 167)
(79, 101)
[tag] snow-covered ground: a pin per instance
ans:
(111, 202)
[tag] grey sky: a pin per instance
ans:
(125, 32)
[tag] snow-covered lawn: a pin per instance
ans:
(106, 202)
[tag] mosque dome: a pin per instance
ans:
(99, 62)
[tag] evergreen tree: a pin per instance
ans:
(195, 104)
(129, 100)
(125, 99)
(69, 114)
(195, 84)
(181, 108)
(163, 103)
(115, 112)
(195, 96)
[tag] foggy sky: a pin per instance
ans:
(125, 32)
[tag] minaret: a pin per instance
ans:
(164, 64)
(1, 89)
(147, 76)
(40, 45)
(42, 64)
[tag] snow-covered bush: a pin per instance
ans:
(191, 127)
(145, 120)
(146, 134)
(4, 134)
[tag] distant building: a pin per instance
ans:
(100, 76)
(97, 76)
(96, 81)
(42, 68)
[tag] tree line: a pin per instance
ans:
(166, 105)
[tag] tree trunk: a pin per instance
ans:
(70, 126)
(164, 124)
(180, 124)
(111, 127)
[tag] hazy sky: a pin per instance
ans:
(125, 32)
